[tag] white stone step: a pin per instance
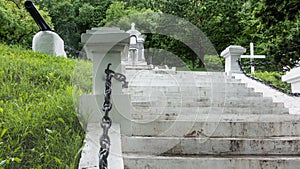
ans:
(182, 84)
(138, 161)
(167, 101)
(188, 89)
(211, 146)
(195, 111)
(220, 126)
(195, 93)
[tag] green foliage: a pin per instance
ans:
(273, 78)
(17, 26)
(273, 26)
(71, 18)
(39, 127)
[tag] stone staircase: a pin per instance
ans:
(206, 120)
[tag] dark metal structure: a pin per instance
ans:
(39, 20)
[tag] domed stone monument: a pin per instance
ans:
(136, 57)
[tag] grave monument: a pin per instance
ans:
(46, 40)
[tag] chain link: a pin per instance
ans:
(106, 121)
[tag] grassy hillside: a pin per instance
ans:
(38, 123)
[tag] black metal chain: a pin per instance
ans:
(106, 121)
(268, 84)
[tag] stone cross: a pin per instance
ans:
(252, 56)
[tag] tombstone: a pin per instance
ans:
(103, 46)
(48, 42)
(252, 56)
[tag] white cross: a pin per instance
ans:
(252, 56)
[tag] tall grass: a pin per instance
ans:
(39, 127)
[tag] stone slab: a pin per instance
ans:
(239, 162)
(194, 111)
(213, 146)
(217, 127)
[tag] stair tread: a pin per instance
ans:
(235, 118)
(208, 156)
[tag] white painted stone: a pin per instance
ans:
(201, 145)
(91, 110)
(232, 54)
(89, 156)
(293, 77)
(104, 46)
(292, 103)
(138, 161)
(136, 54)
(48, 42)
(221, 126)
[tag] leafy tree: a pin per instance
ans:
(17, 26)
(274, 27)
(71, 18)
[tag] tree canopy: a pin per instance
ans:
(273, 26)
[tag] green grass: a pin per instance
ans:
(39, 127)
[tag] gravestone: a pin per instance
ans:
(48, 42)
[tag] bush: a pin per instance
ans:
(39, 127)
(273, 78)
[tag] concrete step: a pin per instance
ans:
(192, 92)
(218, 125)
(195, 93)
(159, 101)
(211, 146)
(195, 111)
(138, 161)
(181, 85)
(188, 89)
(149, 76)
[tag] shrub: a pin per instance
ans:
(273, 78)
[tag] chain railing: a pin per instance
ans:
(261, 81)
(106, 121)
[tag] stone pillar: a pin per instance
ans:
(104, 46)
(231, 55)
(293, 77)
(48, 42)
